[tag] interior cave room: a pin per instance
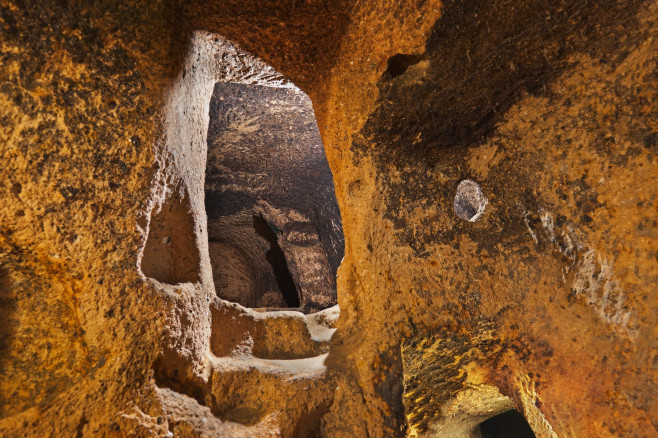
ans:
(329, 218)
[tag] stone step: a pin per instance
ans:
(271, 334)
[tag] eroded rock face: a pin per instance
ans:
(553, 128)
(111, 321)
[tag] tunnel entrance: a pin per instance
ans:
(274, 228)
(510, 424)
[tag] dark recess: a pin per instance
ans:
(510, 424)
(277, 260)
(398, 64)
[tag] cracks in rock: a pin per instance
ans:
(277, 260)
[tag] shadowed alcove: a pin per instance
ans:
(510, 424)
(170, 253)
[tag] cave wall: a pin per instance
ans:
(544, 304)
(549, 270)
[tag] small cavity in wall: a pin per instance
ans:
(171, 254)
(510, 424)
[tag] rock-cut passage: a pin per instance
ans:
(274, 228)
(510, 424)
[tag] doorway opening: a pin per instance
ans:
(274, 228)
(510, 424)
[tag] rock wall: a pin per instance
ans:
(110, 321)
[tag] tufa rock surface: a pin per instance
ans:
(110, 320)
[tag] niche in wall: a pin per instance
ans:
(510, 424)
(274, 228)
(171, 255)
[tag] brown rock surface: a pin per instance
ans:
(110, 325)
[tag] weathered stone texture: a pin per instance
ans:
(546, 303)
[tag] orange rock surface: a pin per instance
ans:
(545, 304)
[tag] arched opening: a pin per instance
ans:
(509, 424)
(274, 228)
